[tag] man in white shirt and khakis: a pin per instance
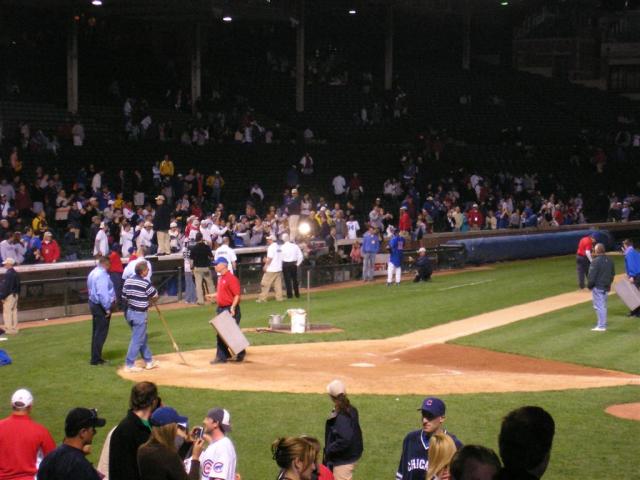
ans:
(272, 276)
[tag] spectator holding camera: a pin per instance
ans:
(158, 458)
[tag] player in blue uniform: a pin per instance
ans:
(396, 246)
(413, 461)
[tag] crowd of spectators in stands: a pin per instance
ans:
(154, 441)
(46, 218)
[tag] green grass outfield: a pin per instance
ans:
(53, 363)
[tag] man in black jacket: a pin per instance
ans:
(131, 432)
(161, 225)
(9, 292)
(201, 256)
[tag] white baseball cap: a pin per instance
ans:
(22, 398)
(336, 388)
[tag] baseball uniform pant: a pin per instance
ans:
(202, 274)
(290, 272)
(164, 246)
(368, 265)
(138, 344)
(10, 313)
(99, 331)
(343, 472)
(599, 297)
(271, 279)
(582, 267)
(222, 352)
(391, 270)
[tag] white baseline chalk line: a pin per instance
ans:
(465, 285)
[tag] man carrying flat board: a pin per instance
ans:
(228, 299)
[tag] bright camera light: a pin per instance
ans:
(304, 228)
(227, 18)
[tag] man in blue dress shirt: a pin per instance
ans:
(101, 297)
(370, 246)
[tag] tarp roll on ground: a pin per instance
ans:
(517, 247)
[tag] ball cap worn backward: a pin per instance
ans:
(80, 417)
(434, 406)
(166, 415)
(221, 416)
(336, 388)
(22, 398)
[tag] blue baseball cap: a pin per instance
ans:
(221, 260)
(434, 406)
(166, 415)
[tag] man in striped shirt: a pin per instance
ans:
(137, 293)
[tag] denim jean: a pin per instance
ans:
(600, 306)
(189, 288)
(138, 323)
(368, 265)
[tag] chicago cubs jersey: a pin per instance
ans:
(219, 460)
(415, 450)
(396, 244)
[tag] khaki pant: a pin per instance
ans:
(293, 226)
(343, 472)
(270, 279)
(199, 274)
(164, 245)
(10, 313)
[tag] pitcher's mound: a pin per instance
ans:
(630, 411)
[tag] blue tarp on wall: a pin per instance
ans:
(517, 247)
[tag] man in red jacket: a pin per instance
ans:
(23, 442)
(405, 220)
(475, 218)
(50, 249)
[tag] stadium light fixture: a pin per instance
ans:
(227, 18)
(352, 11)
(96, 3)
(504, 3)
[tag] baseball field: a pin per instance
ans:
(485, 340)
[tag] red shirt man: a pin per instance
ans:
(585, 246)
(116, 262)
(23, 442)
(228, 298)
(50, 249)
(583, 259)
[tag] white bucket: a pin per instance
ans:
(298, 320)
(275, 319)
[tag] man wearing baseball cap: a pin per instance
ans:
(218, 462)
(23, 442)
(413, 461)
(9, 292)
(423, 266)
(228, 299)
(161, 225)
(68, 460)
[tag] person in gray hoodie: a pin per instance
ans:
(601, 273)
